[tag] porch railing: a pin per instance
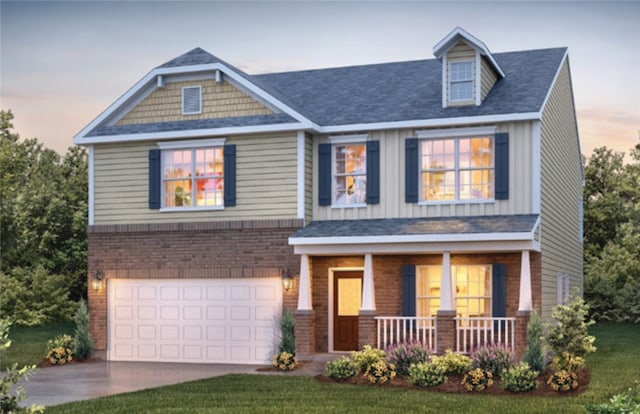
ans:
(402, 329)
(473, 332)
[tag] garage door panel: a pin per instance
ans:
(194, 320)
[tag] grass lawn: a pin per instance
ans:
(614, 367)
(29, 344)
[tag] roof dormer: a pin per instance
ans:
(469, 71)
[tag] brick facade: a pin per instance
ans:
(388, 291)
(190, 250)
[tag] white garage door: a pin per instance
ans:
(194, 320)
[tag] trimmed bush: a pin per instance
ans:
(568, 332)
(494, 358)
(368, 356)
(285, 361)
(287, 332)
(451, 362)
(563, 381)
(83, 344)
(60, 349)
(380, 372)
(519, 378)
(534, 354)
(405, 354)
(341, 369)
(426, 374)
(477, 379)
(567, 362)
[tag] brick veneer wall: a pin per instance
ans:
(388, 283)
(189, 250)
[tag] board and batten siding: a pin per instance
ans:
(561, 192)
(392, 182)
(219, 100)
(266, 177)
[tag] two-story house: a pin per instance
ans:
(435, 200)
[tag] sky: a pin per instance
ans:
(64, 62)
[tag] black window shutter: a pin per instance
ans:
(502, 166)
(155, 178)
(373, 172)
(324, 174)
(408, 290)
(499, 292)
(411, 172)
(229, 175)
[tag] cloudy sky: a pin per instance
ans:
(63, 63)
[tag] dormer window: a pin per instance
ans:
(460, 81)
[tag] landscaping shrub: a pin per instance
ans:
(83, 344)
(567, 332)
(10, 398)
(567, 362)
(623, 403)
(285, 361)
(534, 355)
(405, 354)
(341, 369)
(519, 378)
(563, 381)
(287, 332)
(60, 349)
(477, 379)
(427, 374)
(492, 357)
(368, 356)
(380, 372)
(451, 362)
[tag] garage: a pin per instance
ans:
(194, 320)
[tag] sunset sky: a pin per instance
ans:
(63, 63)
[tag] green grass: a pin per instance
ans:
(614, 367)
(29, 344)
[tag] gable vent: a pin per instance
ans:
(191, 100)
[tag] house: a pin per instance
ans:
(436, 200)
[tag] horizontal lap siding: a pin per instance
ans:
(266, 183)
(219, 100)
(488, 77)
(392, 201)
(561, 182)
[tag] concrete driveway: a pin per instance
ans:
(75, 382)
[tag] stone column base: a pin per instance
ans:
(367, 334)
(305, 331)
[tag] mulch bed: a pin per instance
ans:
(45, 362)
(454, 385)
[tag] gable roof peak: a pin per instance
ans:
(450, 40)
(196, 56)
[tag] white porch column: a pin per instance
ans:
(368, 292)
(526, 303)
(304, 291)
(446, 291)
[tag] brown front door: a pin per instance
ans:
(347, 297)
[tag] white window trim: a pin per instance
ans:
(359, 139)
(465, 133)
(193, 144)
(450, 82)
(199, 111)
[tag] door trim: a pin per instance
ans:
(331, 277)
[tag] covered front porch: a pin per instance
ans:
(383, 295)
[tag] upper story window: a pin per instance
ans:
(191, 100)
(460, 81)
(193, 177)
(453, 169)
(350, 174)
(472, 285)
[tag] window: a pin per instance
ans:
(460, 81)
(191, 100)
(472, 290)
(350, 174)
(457, 169)
(193, 177)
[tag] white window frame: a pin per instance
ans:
(188, 145)
(467, 133)
(469, 81)
(344, 140)
(184, 109)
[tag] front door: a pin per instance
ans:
(347, 297)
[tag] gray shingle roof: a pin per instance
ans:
(419, 226)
